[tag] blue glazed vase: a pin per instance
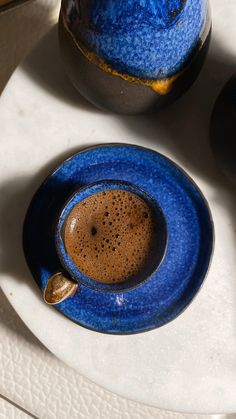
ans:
(134, 55)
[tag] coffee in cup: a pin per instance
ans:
(111, 236)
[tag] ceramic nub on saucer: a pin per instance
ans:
(182, 252)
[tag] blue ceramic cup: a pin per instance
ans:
(90, 190)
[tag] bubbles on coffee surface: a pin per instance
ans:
(111, 236)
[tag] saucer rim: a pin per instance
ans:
(185, 174)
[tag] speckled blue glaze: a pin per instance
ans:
(190, 238)
(92, 189)
(149, 39)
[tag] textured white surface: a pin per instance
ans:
(34, 379)
(199, 346)
(8, 411)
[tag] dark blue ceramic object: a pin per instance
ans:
(156, 46)
(171, 288)
(223, 129)
(91, 189)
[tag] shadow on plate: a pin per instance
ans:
(10, 320)
(26, 24)
(45, 67)
(16, 195)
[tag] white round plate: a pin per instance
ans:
(190, 364)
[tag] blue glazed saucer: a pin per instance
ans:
(171, 288)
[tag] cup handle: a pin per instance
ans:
(59, 288)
